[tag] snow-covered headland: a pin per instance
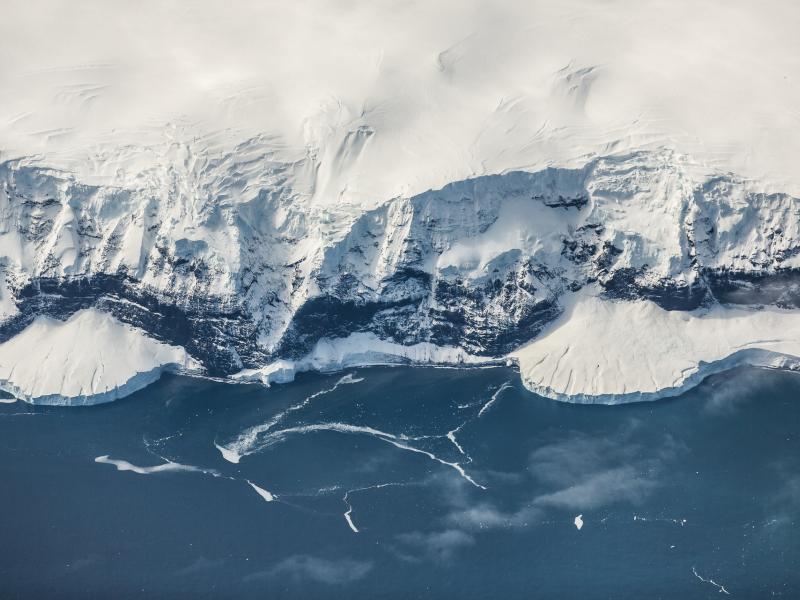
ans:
(606, 195)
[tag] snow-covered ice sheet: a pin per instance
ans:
(88, 359)
(393, 99)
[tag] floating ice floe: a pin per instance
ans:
(265, 494)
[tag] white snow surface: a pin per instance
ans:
(378, 99)
(89, 359)
(611, 352)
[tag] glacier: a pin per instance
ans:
(88, 359)
(546, 182)
(613, 352)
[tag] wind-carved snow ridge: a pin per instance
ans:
(590, 84)
(247, 441)
(720, 588)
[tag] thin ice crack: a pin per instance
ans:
(721, 588)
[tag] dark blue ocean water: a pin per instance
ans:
(678, 498)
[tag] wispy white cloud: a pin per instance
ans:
(725, 394)
(437, 545)
(487, 516)
(586, 472)
(623, 484)
(201, 565)
(321, 570)
(574, 472)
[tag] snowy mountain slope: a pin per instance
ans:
(416, 183)
(480, 265)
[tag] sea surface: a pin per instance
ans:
(404, 483)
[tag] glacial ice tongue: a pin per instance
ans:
(610, 352)
(88, 359)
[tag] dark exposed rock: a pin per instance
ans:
(222, 337)
(411, 270)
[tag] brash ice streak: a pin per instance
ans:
(348, 514)
(454, 465)
(720, 587)
(247, 441)
(169, 466)
(451, 435)
(396, 440)
(494, 398)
